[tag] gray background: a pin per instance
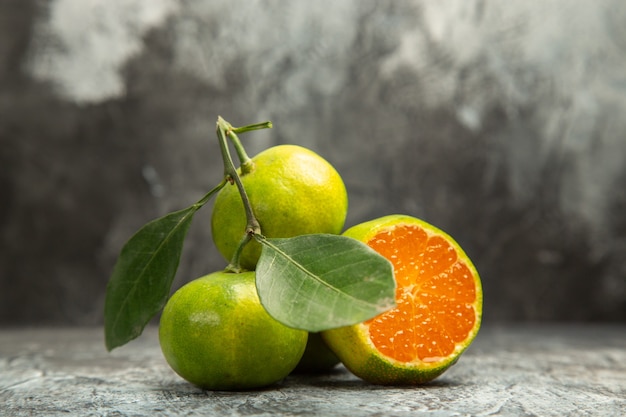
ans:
(502, 123)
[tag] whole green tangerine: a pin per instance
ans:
(215, 333)
(292, 191)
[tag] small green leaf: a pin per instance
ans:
(143, 275)
(318, 282)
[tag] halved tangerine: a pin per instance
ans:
(438, 311)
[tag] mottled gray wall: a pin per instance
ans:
(502, 123)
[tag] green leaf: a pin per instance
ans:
(143, 275)
(318, 282)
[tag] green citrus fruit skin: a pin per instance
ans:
(292, 190)
(352, 345)
(215, 333)
(362, 360)
(317, 358)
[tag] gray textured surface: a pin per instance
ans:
(509, 371)
(500, 122)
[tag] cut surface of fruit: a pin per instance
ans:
(438, 311)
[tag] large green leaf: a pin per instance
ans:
(143, 275)
(318, 282)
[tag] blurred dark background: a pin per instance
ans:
(502, 123)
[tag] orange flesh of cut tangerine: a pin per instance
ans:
(435, 296)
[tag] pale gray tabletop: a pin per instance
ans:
(509, 370)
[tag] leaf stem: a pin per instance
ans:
(256, 126)
(198, 204)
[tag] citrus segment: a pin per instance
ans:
(438, 305)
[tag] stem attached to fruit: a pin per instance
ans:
(234, 265)
(247, 165)
(224, 130)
